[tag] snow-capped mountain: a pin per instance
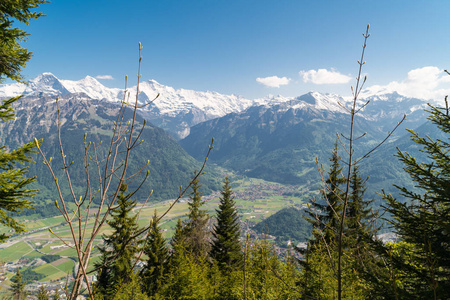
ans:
(177, 110)
(49, 84)
(188, 107)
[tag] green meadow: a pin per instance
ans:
(256, 200)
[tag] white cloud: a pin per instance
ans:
(424, 83)
(107, 77)
(323, 76)
(273, 81)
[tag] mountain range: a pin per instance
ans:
(37, 116)
(275, 138)
(175, 110)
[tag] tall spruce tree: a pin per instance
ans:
(42, 293)
(120, 247)
(360, 215)
(226, 248)
(13, 57)
(196, 234)
(18, 286)
(178, 242)
(56, 295)
(157, 263)
(423, 222)
(361, 262)
(325, 215)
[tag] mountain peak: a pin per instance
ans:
(323, 101)
(90, 80)
(44, 78)
(46, 83)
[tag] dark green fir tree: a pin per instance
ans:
(226, 247)
(325, 215)
(423, 222)
(18, 286)
(120, 247)
(56, 295)
(42, 293)
(360, 217)
(178, 242)
(197, 240)
(153, 274)
(13, 57)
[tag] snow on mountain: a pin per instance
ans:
(46, 83)
(179, 109)
(324, 101)
(172, 102)
(272, 100)
(91, 87)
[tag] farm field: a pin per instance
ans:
(256, 200)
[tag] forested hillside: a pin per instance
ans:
(36, 117)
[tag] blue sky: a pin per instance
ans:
(225, 46)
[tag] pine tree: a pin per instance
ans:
(226, 248)
(188, 278)
(361, 261)
(18, 286)
(178, 242)
(157, 263)
(13, 57)
(196, 232)
(424, 221)
(42, 293)
(120, 247)
(325, 215)
(56, 295)
(360, 216)
(319, 258)
(132, 290)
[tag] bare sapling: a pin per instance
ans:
(111, 166)
(347, 143)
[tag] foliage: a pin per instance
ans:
(359, 214)
(286, 224)
(120, 247)
(28, 275)
(13, 57)
(18, 286)
(195, 227)
(187, 279)
(132, 290)
(267, 277)
(319, 261)
(178, 241)
(106, 173)
(42, 293)
(56, 295)
(226, 248)
(424, 221)
(325, 216)
(154, 272)
(48, 258)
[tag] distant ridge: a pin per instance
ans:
(177, 110)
